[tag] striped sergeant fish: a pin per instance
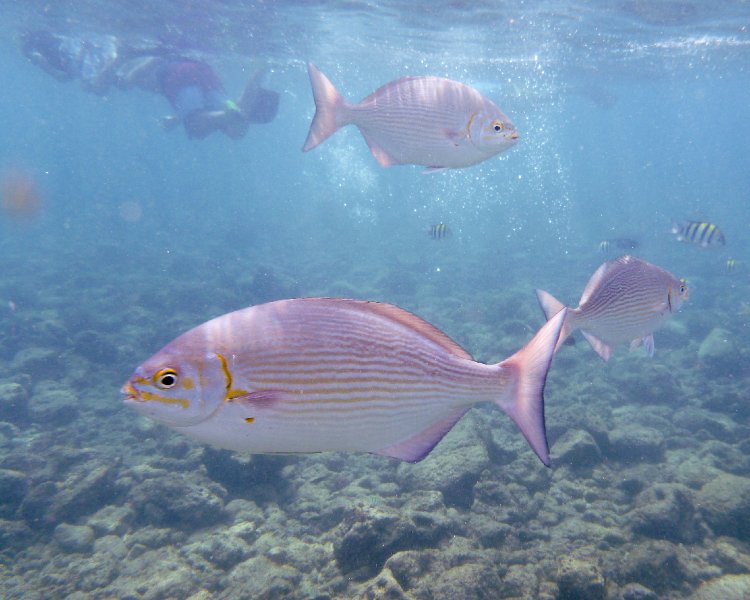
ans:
(326, 374)
(429, 121)
(699, 232)
(626, 299)
(439, 231)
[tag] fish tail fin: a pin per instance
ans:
(328, 108)
(551, 306)
(527, 368)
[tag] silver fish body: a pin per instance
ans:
(625, 300)
(322, 374)
(429, 121)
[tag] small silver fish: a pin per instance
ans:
(430, 121)
(621, 243)
(327, 374)
(626, 299)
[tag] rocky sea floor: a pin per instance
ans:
(648, 495)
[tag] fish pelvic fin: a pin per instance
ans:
(328, 107)
(552, 306)
(527, 370)
(419, 445)
(381, 154)
(648, 344)
(602, 349)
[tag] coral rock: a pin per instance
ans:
(174, 499)
(577, 449)
(580, 579)
(634, 443)
(74, 538)
(13, 488)
(665, 511)
(726, 587)
(725, 505)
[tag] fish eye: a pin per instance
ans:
(497, 125)
(165, 379)
(683, 288)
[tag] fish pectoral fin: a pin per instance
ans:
(463, 134)
(456, 136)
(648, 344)
(602, 349)
(416, 447)
(380, 154)
(257, 399)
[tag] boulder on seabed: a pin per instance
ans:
(14, 403)
(725, 505)
(718, 351)
(580, 579)
(577, 449)
(665, 511)
(726, 587)
(74, 538)
(635, 443)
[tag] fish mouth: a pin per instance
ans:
(514, 135)
(130, 393)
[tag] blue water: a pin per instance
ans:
(630, 117)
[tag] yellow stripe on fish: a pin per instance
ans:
(438, 231)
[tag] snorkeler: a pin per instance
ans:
(195, 92)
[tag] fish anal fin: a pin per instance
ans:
(380, 154)
(415, 448)
(602, 349)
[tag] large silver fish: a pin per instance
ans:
(318, 374)
(625, 300)
(430, 121)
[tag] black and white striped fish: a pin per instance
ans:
(699, 232)
(438, 231)
(626, 299)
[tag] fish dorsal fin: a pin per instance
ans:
(599, 275)
(404, 318)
